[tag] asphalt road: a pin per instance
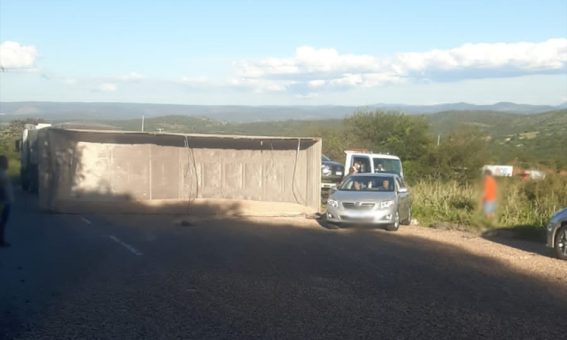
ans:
(79, 276)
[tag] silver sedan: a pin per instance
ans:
(377, 199)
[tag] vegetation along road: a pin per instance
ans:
(130, 277)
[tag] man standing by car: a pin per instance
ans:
(489, 195)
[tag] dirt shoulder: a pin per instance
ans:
(526, 256)
(529, 257)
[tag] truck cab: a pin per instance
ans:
(29, 151)
(373, 162)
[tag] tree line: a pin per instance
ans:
(457, 156)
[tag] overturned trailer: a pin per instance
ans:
(83, 171)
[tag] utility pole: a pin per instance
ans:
(143, 118)
(438, 139)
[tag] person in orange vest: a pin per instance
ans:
(489, 195)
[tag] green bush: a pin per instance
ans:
(8, 137)
(520, 203)
(436, 202)
(531, 202)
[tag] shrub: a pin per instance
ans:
(520, 202)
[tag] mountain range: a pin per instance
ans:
(60, 111)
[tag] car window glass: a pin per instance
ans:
(368, 183)
(387, 165)
(364, 163)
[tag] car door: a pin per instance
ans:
(403, 199)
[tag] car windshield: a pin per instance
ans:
(368, 183)
(387, 165)
(325, 158)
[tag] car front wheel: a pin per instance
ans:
(396, 225)
(561, 243)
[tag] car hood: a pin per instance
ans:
(375, 196)
(561, 215)
(333, 163)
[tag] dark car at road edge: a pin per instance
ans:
(557, 233)
(331, 172)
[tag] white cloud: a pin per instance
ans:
(307, 60)
(316, 83)
(131, 77)
(107, 87)
(194, 81)
(307, 96)
(260, 85)
(16, 56)
(323, 69)
(522, 57)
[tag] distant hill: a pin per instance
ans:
(514, 137)
(498, 107)
(527, 138)
(106, 111)
(496, 123)
(184, 124)
(63, 111)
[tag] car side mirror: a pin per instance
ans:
(402, 190)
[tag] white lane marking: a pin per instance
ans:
(86, 220)
(125, 245)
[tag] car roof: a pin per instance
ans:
(379, 174)
(373, 155)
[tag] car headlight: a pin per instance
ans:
(386, 204)
(326, 169)
(333, 203)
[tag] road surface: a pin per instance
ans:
(95, 276)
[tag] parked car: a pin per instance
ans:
(380, 199)
(331, 172)
(557, 233)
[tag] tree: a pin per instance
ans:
(460, 155)
(334, 143)
(395, 133)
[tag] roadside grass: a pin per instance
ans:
(445, 204)
(522, 205)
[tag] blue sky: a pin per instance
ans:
(284, 52)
